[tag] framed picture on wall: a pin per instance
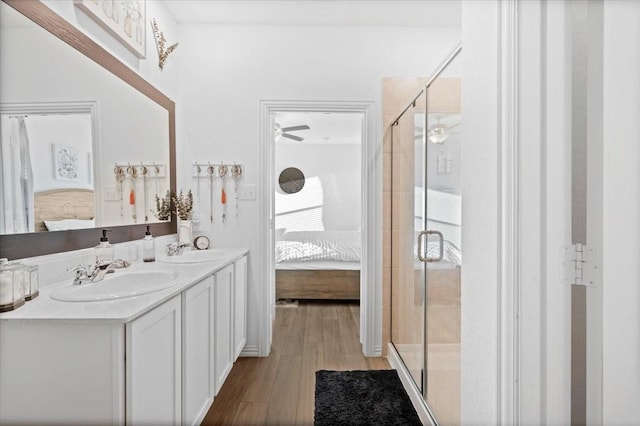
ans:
(65, 163)
(124, 19)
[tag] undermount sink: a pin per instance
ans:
(196, 256)
(118, 285)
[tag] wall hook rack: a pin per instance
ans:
(218, 169)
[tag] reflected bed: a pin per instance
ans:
(60, 209)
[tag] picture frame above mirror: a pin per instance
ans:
(124, 19)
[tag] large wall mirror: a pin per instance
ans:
(86, 143)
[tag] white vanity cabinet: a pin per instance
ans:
(156, 359)
(223, 324)
(198, 316)
(154, 366)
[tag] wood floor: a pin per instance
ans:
(279, 389)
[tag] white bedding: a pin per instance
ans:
(314, 246)
(450, 253)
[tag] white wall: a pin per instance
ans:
(337, 167)
(224, 71)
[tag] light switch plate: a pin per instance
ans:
(111, 193)
(247, 192)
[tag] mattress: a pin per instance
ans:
(310, 247)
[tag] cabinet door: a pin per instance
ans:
(224, 324)
(240, 307)
(198, 351)
(153, 366)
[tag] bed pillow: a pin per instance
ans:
(66, 224)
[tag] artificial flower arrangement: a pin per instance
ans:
(183, 204)
(163, 207)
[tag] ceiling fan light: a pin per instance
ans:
(438, 138)
(438, 134)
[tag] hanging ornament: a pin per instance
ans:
(133, 173)
(145, 172)
(120, 177)
(222, 172)
(210, 172)
(236, 175)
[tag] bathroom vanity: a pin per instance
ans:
(155, 358)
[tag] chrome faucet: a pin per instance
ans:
(175, 249)
(96, 272)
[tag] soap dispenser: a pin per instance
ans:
(104, 251)
(148, 247)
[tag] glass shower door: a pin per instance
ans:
(408, 273)
(426, 207)
(443, 144)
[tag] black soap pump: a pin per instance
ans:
(148, 247)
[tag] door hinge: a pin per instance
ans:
(579, 266)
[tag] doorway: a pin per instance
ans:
(317, 205)
(315, 191)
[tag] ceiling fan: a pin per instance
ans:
(438, 133)
(282, 132)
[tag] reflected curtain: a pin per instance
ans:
(17, 187)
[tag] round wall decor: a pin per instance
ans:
(291, 180)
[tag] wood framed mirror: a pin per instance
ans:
(17, 246)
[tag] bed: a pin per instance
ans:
(63, 209)
(318, 265)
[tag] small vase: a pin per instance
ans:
(185, 232)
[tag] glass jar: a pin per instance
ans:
(11, 286)
(31, 282)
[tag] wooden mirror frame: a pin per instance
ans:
(18, 246)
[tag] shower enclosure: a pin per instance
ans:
(426, 260)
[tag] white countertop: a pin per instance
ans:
(122, 310)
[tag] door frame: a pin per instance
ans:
(534, 115)
(371, 173)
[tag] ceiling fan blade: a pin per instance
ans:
(294, 137)
(454, 125)
(293, 128)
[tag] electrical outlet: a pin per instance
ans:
(247, 192)
(111, 193)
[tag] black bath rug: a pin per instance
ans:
(373, 397)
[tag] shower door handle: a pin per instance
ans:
(421, 237)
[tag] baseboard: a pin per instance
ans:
(412, 390)
(377, 351)
(250, 351)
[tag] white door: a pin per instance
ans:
(198, 345)
(153, 366)
(607, 79)
(223, 324)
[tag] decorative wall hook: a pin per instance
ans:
(163, 52)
